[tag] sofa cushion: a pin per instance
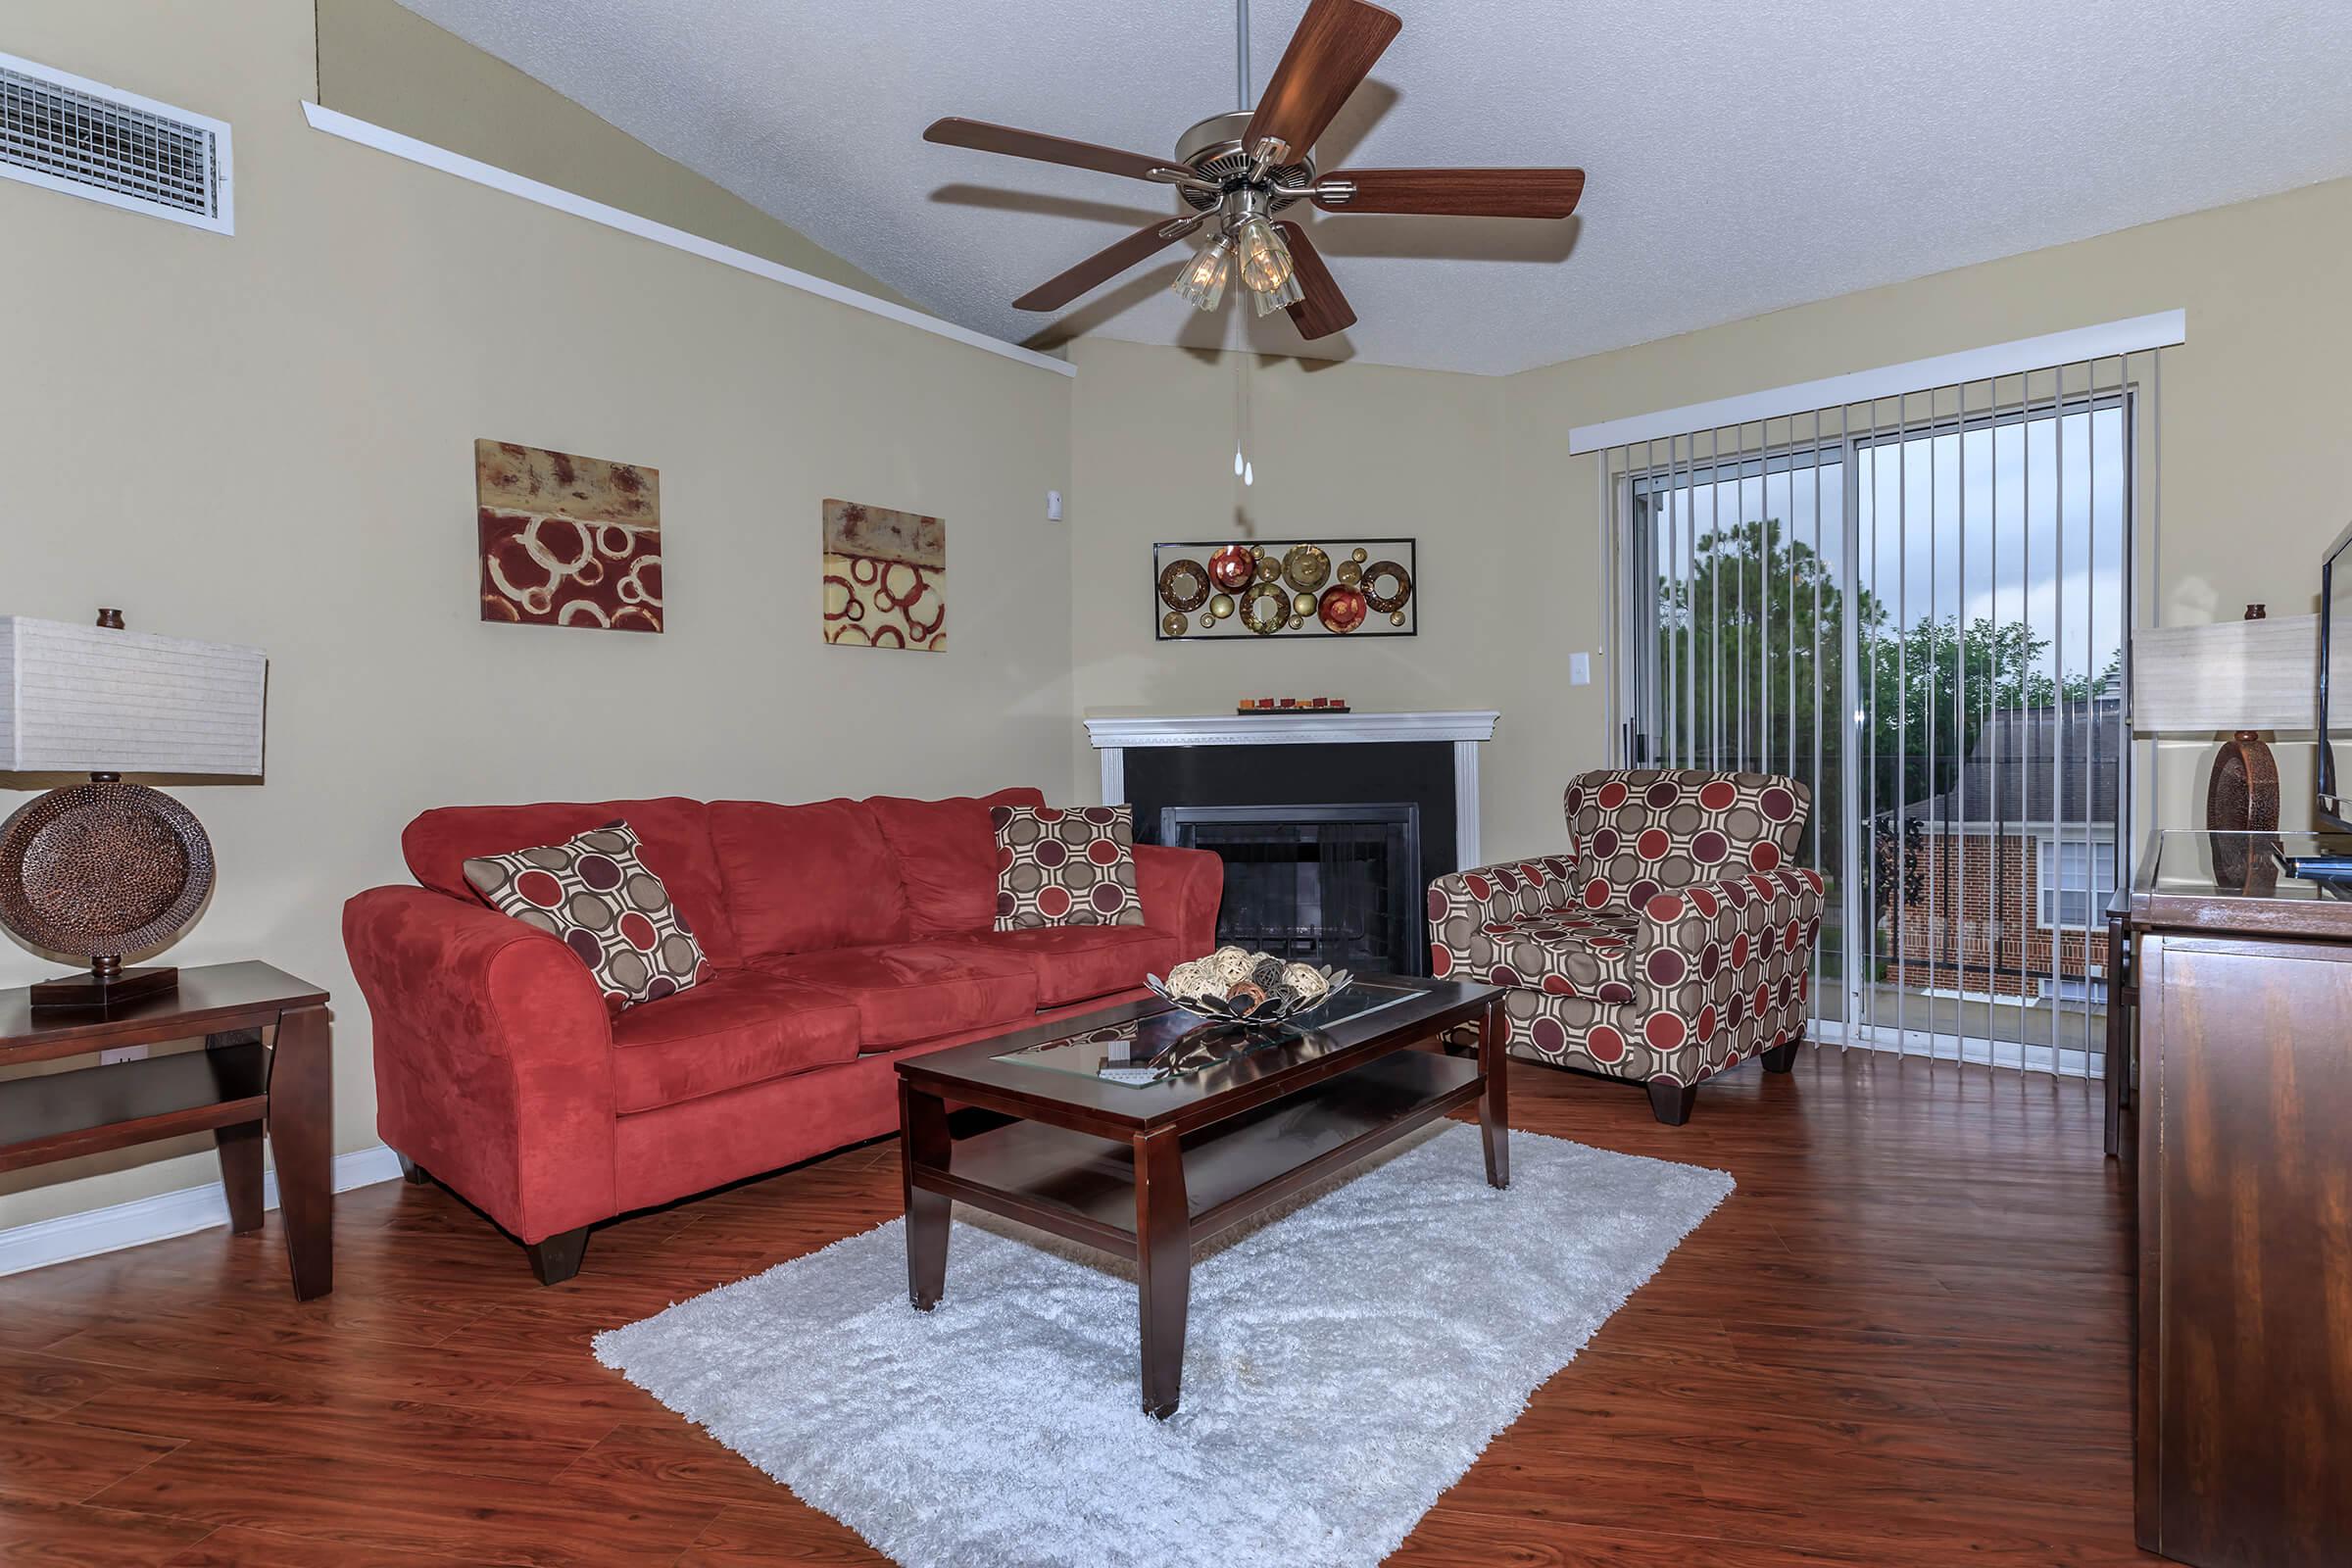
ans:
(806, 878)
(1074, 962)
(673, 833)
(1065, 867)
(947, 855)
(738, 1027)
(909, 990)
(594, 891)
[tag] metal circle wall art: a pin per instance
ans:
(1275, 590)
(1265, 623)
(1184, 585)
(1390, 600)
(1307, 568)
(1340, 608)
(1233, 568)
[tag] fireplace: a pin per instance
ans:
(1331, 825)
(1331, 883)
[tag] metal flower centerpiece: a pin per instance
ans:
(1256, 990)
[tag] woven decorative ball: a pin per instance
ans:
(1230, 966)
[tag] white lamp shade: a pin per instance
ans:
(2229, 675)
(93, 700)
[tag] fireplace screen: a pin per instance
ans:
(1322, 884)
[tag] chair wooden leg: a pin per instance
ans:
(413, 1174)
(558, 1258)
(1781, 1057)
(1671, 1102)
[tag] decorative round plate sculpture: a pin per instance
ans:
(1400, 589)
(101, 869)
(1254, 612)
(1233, 568)
(1308, 568)
(1340, 608)
(1184, 585)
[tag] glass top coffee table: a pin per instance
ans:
(1141, 1129)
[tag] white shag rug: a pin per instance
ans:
(1346, 1359)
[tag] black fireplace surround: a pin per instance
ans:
(1328, 846)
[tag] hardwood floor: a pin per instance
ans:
(1902, 1341)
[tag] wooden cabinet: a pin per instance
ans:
(2244, 1150)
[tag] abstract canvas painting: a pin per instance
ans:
(567, 541)
(885, 578)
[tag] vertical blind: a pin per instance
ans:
(1918, 604)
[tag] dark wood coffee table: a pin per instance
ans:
(1064, 1138)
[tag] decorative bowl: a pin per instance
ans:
(1228, 987)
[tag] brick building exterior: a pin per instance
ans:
(2005, 876)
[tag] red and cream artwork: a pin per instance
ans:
(567, 541)
(885, 578)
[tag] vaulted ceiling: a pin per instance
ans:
(1743, 155)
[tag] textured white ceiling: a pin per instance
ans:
(1744, 154)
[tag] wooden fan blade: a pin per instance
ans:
(1461, 192)
(1325, 310)
(1330, 54)
(988, 138)
(1105, 265)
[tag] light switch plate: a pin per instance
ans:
(1053, 506)
(1580, 669)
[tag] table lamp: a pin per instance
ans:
(107, 868)
(2242, 676)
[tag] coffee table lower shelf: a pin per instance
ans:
(1082, 1186)
(1152, 1197)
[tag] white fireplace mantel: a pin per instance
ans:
(1113, 733)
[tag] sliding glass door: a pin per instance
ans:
(1916, 608)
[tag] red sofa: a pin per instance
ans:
(844, 935)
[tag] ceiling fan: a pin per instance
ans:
(1242, 168)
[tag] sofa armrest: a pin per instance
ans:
(1777, 912)
(493, 1056)
(1181, 890)
(1460, 903)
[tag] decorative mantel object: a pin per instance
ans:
(567, 541)
(885, 577)
(107, 868)
(1291, 705)
(1221, 590)
(2242, 676)
(1112, 734)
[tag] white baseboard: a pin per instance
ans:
(165, 1214)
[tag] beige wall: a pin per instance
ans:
(2256, 412)
(1338, 450)
(268, 439)
(387, 65)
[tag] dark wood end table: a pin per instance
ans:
(1063, 1134)
(266, 1064)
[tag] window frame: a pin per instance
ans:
(2048, 882)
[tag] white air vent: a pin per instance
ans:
(88, 139)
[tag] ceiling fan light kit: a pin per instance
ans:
(1244, 166)
(1201, 283)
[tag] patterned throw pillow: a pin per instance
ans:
(594, 891)
(1057, 868)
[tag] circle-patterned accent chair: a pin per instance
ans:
(1673, 942)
